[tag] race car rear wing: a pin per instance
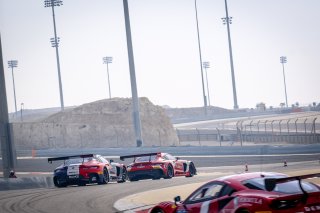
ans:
(270, 183)
(139, 155)
(69, 157)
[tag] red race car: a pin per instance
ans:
(89, 168)
(250, 193)
(158, 165)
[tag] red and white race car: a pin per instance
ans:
(158, 165)
(250, 193)
(89, 168)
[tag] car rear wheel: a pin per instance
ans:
(169, 172)
(105, 177)
(133, 179)
(243, 211)
(59, 183)
(124, 176)
(192, 170)
(81, 183)
(93, 178)
(157, 211)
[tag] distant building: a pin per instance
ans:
(261, 106)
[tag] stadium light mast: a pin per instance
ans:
(283, 60)
(108, 60)
(134, 91)
(206, 65)
(13, 64)
(200, 57)
(55, 43)
(228, 20)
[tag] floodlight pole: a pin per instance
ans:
(283, 60)
(227, 20)
(12, 64)
(200, 57)
(135, 98)
(108, 60)
(22, 108)
(55, 43)
(7, 145)
(206, 65)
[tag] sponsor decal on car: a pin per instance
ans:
(312, 208)
(250, 200)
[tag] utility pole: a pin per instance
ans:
(7, 147)
(135, 97)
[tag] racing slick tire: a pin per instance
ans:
(156, 178)
(170, 172)
(58, 183)
(105, 179)
(93, 178)
(242, 211)
(157, 211)
(81, 183)
(133, 179)
(192, 170)
(124, 176)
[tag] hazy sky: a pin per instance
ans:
(165, 50)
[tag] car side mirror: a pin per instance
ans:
(177, 199)
(111, 161)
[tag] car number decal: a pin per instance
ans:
(73, 170)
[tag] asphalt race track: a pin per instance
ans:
(101, 198)
(210, 161)
(210, 156)
(92, 198)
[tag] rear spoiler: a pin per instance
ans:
(69, 157)
(270, 183)
(139, 155)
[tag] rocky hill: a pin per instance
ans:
(104, 123)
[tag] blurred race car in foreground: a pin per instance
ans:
(89, 168)
(158, 165)
(250, 193)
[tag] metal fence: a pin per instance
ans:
(298, 130)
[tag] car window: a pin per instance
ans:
(226, 190)
(207, 192)
(102, 159)
(169, 157)
(146, 159)
(77, 160)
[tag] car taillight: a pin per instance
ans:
(157, 165)
(88, 167)
(284, 204)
